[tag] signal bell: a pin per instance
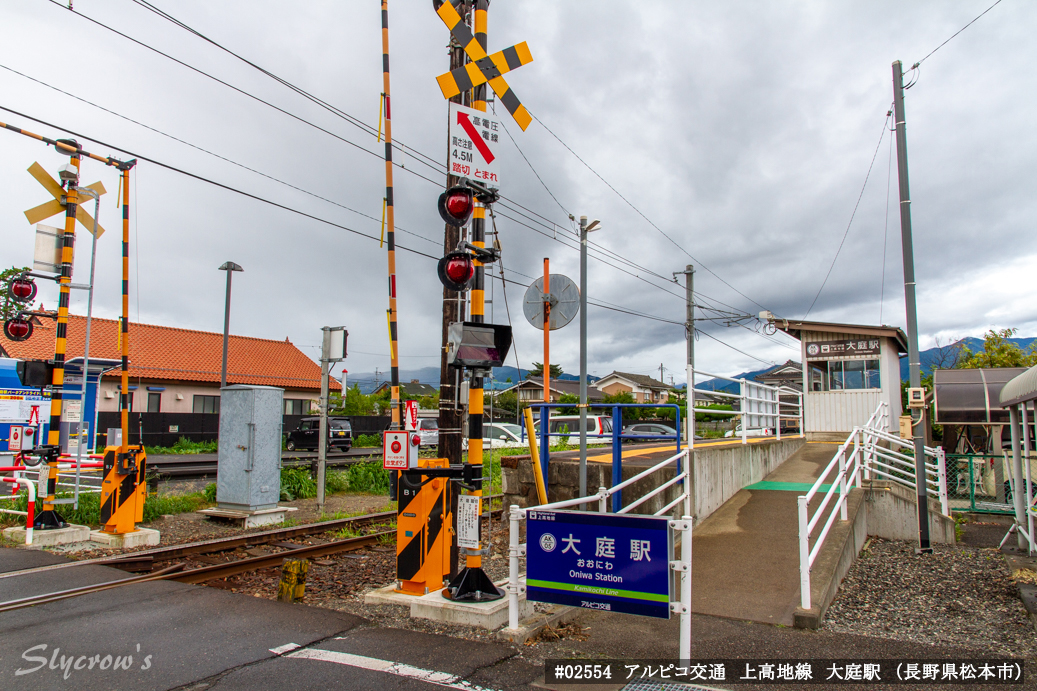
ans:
(456, 270)
(456, 205)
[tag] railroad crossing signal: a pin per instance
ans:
(483, 68)
(56, 206)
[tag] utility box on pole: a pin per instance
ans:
(248, 477)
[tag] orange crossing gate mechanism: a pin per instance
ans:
(123, 490)
(423, 529)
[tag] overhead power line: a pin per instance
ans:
(955, 34)
(860, 196)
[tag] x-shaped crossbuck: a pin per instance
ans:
(483, 68)
(56, 205)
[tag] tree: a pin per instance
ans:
(624, 397)
(569, 398)
(354, 403)
(998, 351)
(9, 307)
(538, 371)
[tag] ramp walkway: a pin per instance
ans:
(745, 562)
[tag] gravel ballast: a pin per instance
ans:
(961, 596)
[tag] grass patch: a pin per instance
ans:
(346, 532)
(297, 483)
(89, 511)
(184, 446)
(335, 481)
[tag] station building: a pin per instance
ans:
(848, 370)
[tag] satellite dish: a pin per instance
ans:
(564, 298)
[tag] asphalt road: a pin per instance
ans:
(174, 636)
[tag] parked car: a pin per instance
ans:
(648, 429)
(599, 428)
(761, 432)
(307, 434)
(428, 430)
(503, 435)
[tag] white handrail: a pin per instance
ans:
(866, 458)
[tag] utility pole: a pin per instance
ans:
(914, 361)
(322, 443)
(450, 413)
(689, 326)
(230, 268)
(584, 230)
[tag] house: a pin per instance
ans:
(789, 376)
(175, 370)
(643, 388)
(412, 390)
(532, 390)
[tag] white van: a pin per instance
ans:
(599, 428)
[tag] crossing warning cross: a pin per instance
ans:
(483, 68)
(56, 205)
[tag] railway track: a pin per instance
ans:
(188, 466)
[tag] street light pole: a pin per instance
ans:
(230, 268)
(585, 228)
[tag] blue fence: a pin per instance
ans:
(617, 437)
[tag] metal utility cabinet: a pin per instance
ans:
(249, 473)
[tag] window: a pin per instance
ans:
(154, 402)
(206, 404)
(294, 406)
(844, 375)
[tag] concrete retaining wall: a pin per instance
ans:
(718, 472)
(893, 514)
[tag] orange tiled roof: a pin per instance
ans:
(163, 352)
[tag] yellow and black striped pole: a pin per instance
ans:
(124, 324)
(472, 582)
(391, 228)
(49, 518)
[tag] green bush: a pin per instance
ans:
(210, 493)
(297, 483)
(367, 478)
(336, 481)
(367, 440)
(184, 446)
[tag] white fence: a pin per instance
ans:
(760, 407)
(868, 451)
(681, 565)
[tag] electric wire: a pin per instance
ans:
(998, 2)
(207, 151)
(711, 336)
(639, 213)
(852, 215)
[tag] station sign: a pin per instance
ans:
(609, 562)
(820, 350)
(474, 142)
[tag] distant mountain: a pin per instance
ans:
(941, 356)
(730, 386)
(369, 381)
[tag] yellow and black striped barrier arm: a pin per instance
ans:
(472, 48)
(390, 234)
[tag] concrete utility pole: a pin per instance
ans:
(914, 361)
(322, 443)
(450, 413)
(230, 268)
(689, 279)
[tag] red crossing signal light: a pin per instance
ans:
(456, 205)
(18, 329)
(22, 289)
(456, 270)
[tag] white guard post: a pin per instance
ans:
(517, 550)
(755, 401)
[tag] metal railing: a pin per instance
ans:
(868, 451)
(682, 565)
(755, 401)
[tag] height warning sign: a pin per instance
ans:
(474, 140)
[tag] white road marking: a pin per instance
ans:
(286, 648)
(428, 676)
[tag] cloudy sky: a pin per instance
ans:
(743, 130)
